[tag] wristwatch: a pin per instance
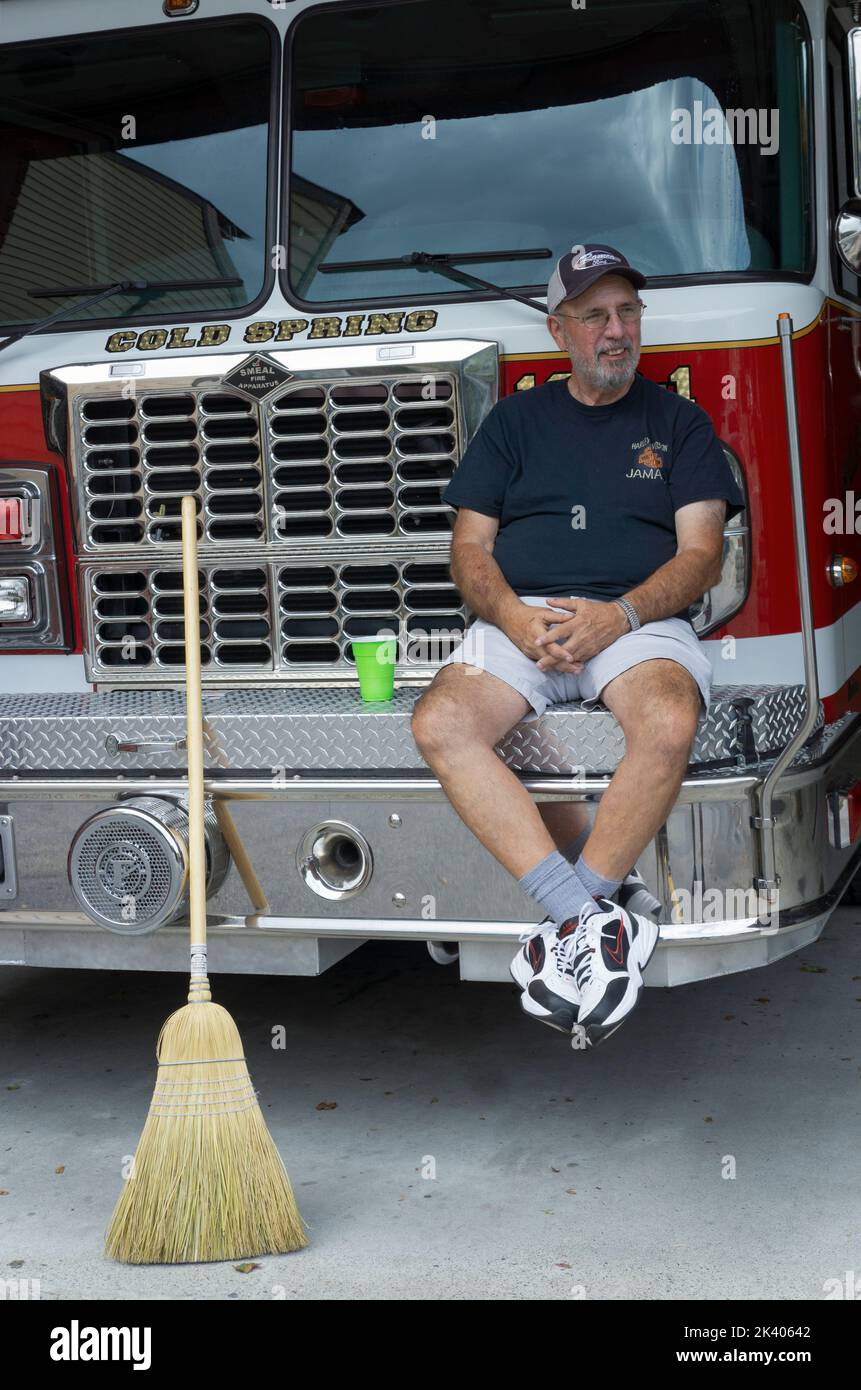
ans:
(630, 612)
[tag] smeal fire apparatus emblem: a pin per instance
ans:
(257, 377)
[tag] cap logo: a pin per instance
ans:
(587, 259)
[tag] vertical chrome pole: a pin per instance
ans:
(765, 820)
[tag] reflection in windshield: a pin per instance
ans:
(236, 211)
(513, 139)
(129, 168)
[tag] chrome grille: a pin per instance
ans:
(362, 458)
(138, 628)
(322, 607)
(345, 460)
(329, 491)
(138, 457)
(138, 623)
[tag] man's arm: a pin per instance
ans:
(484, 587)
(694, 568)
(475, 572)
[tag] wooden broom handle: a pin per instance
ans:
(194, 724)
(240, 856)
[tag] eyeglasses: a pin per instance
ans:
(599, 318)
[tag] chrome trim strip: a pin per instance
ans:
(394, 929)
(764, 820)
(299, 788)
(9, 881)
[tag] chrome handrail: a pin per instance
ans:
(765, 820)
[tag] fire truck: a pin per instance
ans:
(285, 257)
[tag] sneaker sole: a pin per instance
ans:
(596, 1035)
(558, 1019)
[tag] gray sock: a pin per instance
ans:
(594, 882)
(557, 887)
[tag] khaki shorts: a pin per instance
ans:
(672, 639)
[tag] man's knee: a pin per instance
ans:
(679, 724)
(663, 718)
(426, 723)
(669, 731)
(438, 719)
(451, 716)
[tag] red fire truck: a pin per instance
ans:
(285, 257)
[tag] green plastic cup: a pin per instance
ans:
(375, 664)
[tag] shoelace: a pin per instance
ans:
(574, 953)
(534, 930)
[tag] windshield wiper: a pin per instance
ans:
(441, 263)
(99, 292)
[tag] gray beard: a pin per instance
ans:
(601, 378)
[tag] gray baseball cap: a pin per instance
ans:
(582, 266)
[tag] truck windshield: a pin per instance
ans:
(137, 155)
(674, 130)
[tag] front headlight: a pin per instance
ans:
(719, 604)
(15, 606)
(33, 596)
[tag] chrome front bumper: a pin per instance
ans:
(286, 759)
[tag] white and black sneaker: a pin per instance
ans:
(537, 940)
(610, 975)
(546, 968)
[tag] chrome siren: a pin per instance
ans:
(128, 864)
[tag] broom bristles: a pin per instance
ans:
(207, 1182)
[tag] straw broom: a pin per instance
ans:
(207, 1182)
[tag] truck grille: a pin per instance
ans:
(362, 459)
(322, 607)
(271, 618)
(138, 621)
(338, 460)
(320, 511)
(138, 459)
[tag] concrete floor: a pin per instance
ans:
(558, 1174)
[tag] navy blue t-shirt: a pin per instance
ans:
(586, 495)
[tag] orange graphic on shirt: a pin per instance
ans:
(649, 459)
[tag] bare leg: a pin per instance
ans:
(657, 704)
(456, 724)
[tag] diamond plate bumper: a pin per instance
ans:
(329, 730)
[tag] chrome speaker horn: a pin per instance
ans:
(335, 860)
(128, 864)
